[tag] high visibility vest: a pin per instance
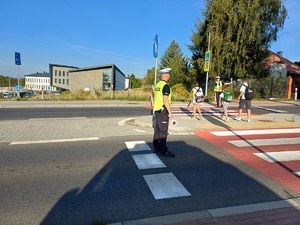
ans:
(218, 87)
(158, 95)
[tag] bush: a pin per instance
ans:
(179, 93)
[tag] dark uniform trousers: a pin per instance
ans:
(161, 131)
(218, 97)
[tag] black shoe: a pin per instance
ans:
(168, 154)
(156, 151)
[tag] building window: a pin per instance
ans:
(63, 80)
(59, 73)
(59, 81)
(106, 80)
(67, 81)
(55, 80)
(55, 72)
(63, 73)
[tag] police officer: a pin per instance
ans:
(162, 113)
(218, 86)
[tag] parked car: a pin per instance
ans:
(8, 95)
(29, 94)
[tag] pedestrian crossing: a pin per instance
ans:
(274, 152)
(179, 109)
(161, 185)
(207, 109)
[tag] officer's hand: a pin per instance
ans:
(170, 116)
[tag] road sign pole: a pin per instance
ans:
(18, 93)
(18, 63)
(155, 54)
(206, 80)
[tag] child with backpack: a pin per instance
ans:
(197, 95)
(226, 98)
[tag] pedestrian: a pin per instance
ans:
(226, 98)
(218, 89)
(197, 98)
(243, 102)
(162, 113)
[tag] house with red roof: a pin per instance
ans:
(292, 71)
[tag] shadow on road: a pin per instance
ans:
(118, 192)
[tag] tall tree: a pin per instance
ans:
(174, 58)
(149, 77)
(135, 82)
(241, 32)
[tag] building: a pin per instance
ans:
(38, 82)
(291, 70)
(97, 78)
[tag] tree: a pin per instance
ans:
(149, 78)
(135, 82)
(6, 81)
(241, 32)
(174, 58)
(297, 63)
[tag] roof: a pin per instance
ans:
(92, 68)
(291, 67)
(38, 75)
(59, 65)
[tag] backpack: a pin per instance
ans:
(249, 94)
(199, 96)
(227, 96)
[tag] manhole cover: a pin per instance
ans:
(267, 121)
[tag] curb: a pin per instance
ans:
(213, 213)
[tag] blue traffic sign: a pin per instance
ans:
(18, 87)
(155, 46)
(18, 58)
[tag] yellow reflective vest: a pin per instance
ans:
(158, 95)
(218, 86)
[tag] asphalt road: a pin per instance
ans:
(111, 112)
(89, 112)
(77, 182)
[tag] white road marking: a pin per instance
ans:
(265, 142)
(59, 118)
(279, 156)
(53, 141)
(139, 130)
(148, 161)
(271, 110)
(165, 185)
(137, 146)
(253, 132)
(297, 173)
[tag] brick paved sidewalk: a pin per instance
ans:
(281, 216)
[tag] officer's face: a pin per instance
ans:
(165, 77)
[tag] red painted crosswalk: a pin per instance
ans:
(273, 152)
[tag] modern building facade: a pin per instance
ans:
(38, 82)
(97, 78)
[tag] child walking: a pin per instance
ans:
(197, 94)
(225, 98)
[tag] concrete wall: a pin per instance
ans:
(88, 80)
(61, 76)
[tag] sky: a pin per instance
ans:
(100, 32)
